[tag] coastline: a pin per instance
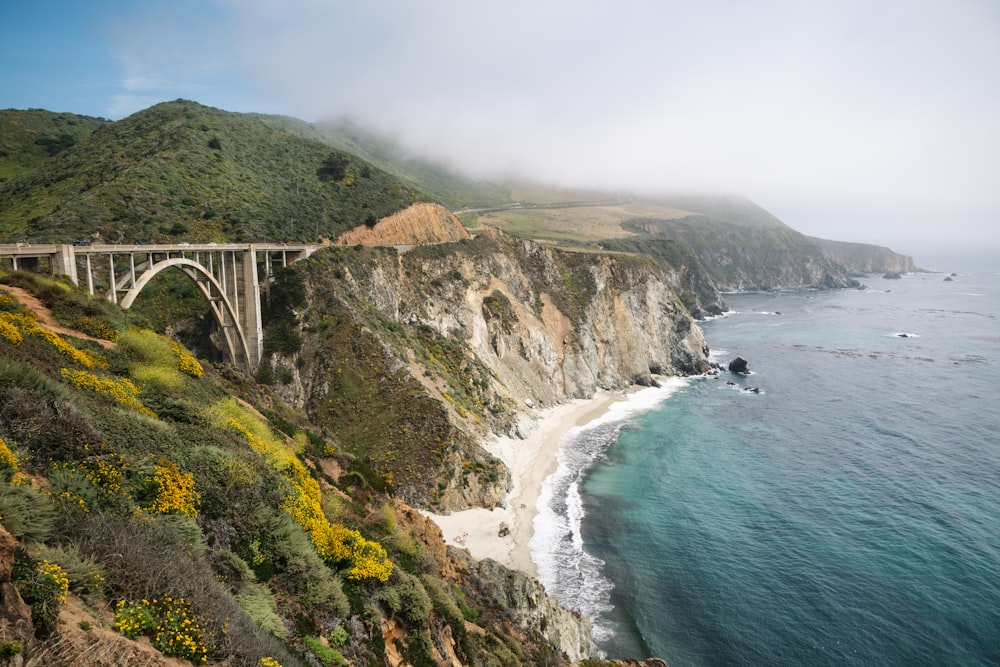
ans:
(530, 461)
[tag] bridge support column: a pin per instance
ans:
(64, 263)
(249, 301)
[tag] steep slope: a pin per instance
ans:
(149, 497)
(412, 357)
(416, 225)
(30, 138)
(866, 258)
(749, 257)
(180, 170)
(437, 180)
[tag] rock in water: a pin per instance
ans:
(739, 365)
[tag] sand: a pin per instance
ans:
(530, 462)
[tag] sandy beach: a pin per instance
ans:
(530, 462)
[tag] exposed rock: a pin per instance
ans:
(739, 365)
(15, 615)
(865, 258)
(892, 275)
(416, 225)
(532, 610)
(524, 326)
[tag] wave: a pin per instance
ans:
(570, 574)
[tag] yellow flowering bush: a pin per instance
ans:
(133, 618)
(53, 579)
(174, 491)
(14, 326)
(186, 362)
(122, 390)
(170, 624)
(45, 593)
(96, 328)
(268, 662)
(9, 330)
(9, 464)
(335, 543)
(96, 482)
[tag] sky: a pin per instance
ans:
(875, 121)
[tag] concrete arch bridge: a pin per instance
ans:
(230, 276)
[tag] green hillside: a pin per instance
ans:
(147, 494)
(446, 185)
(29, 138)
(183, 171)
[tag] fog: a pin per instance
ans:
(854, 120)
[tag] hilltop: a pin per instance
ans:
(183, 171)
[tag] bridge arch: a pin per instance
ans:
(226, 312)
(226, 274)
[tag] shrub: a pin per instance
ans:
(259, 603)
(150, 557)
(406, 597)
(44, 423)
(173, 628)
(9, 649)
(174, 491)
(95, 327)
(44, 590)
(143, 345)
(9, 465)
(335, 543)
(122, 390)
(26, 513)
(328, 657)
(85, 574)
(159, 376)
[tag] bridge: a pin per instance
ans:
(230, 276)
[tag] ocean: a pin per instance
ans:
(847, 513)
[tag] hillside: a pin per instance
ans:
(29, 138)
(145, 493)
(735, 244)
(439, 181)
(182, 171)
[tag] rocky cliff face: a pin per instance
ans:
(413, 356)
(864, 258)
(531, 610)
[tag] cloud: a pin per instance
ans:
(856, 101)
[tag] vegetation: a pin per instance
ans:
(439, 182)
(155, 490)
(183, 171)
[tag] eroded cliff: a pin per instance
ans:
(412, 357)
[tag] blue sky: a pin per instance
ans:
(867, 120)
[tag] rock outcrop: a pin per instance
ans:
(419, 224)
(864, 258)
(530, 609)
(15, 615)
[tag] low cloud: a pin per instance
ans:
(883, 105)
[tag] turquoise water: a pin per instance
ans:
(849, 513)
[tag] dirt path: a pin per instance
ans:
(29, 301)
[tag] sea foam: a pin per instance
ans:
(567, 571)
